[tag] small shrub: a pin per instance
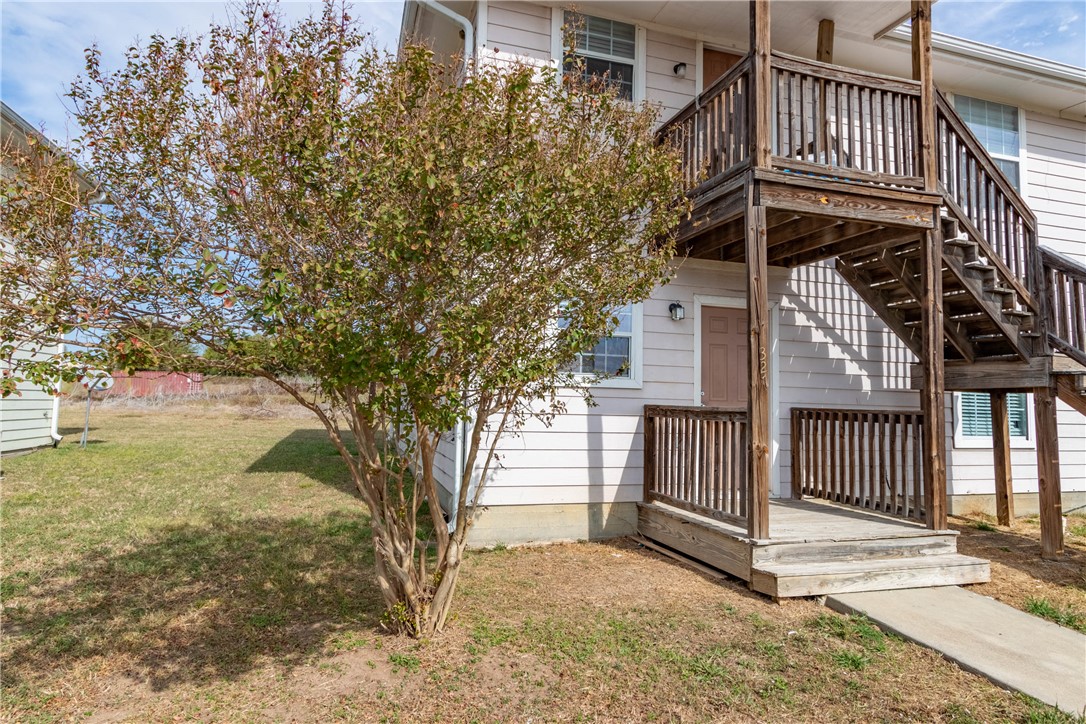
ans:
(409, 662)
(1068, 617)
(851, 660)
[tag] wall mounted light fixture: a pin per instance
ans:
(677, 311)
(679, 70)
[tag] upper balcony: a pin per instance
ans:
(843, 170)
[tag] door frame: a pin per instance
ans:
(707, 300)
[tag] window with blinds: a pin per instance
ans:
(976, 414)
(605, 49)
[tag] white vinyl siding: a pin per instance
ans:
(26, 420)
(517, 28)
(832, 349)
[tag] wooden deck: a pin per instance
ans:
(816, 548)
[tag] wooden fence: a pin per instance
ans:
(696, 459)
(868, 459)
(150, 383)
(1065, 282)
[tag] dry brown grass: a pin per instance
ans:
(1019, 574)
(206, 565)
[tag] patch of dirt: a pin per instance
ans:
(1018, 571)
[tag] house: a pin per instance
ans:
(28, 420)
(880, 318)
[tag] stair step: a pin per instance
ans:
(908, 544)
(788, 580)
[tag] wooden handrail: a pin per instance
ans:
(962, 129)
(864, 458)
(1065, 286)
(845, 75)
(702, 99)
(696, 460)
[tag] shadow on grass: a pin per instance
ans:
(1022, 552)
(192, 603)
(307, 452)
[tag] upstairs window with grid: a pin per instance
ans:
(996, 126)
(604, 49)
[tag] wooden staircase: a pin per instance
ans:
(1008, 303)
(985, 317)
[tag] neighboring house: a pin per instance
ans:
(29, 420)
(817, 169)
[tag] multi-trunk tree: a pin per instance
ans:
(428, 244)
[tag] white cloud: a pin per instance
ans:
(1050, 29)
(43, 42)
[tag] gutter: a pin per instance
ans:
(963, 48)
(53, 432)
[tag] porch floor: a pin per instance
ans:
(817, 548)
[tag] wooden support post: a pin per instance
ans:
(825, 41)
(761, 78)
(921, 41)
(1001, 453)
(1048, 472)
(932, 395)
(757, 368)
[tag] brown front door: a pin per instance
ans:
(716, 63)
(724, 357)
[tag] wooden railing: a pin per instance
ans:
(696, 459)
(711, 131)
(862, 126)
(985, 203)
(868, 459)
(1065, 284)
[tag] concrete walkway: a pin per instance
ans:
(1014, 649)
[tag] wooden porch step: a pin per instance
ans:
(790, 580)
(917, 543)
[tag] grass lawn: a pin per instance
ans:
(213, 565)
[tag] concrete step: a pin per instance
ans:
(791, 580)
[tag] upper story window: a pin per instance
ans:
(996, 126)
(606, 48)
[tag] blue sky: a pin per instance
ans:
(41, 43)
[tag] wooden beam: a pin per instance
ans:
(733, 248)
(825, 41)
(986, 375)
(888, 236)
(761, 80)
(832, 232)
(847, 203)
(1067, 388)
(932, 395)
(757, 371)
(889, 316)
(1048, 471)
(903, 271)
(921, 47)
(1001, 454)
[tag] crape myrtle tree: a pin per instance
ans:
(428, 243)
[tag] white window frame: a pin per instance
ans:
(637, 349)
(640, 63)
(984, 442)
(1021, 158)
